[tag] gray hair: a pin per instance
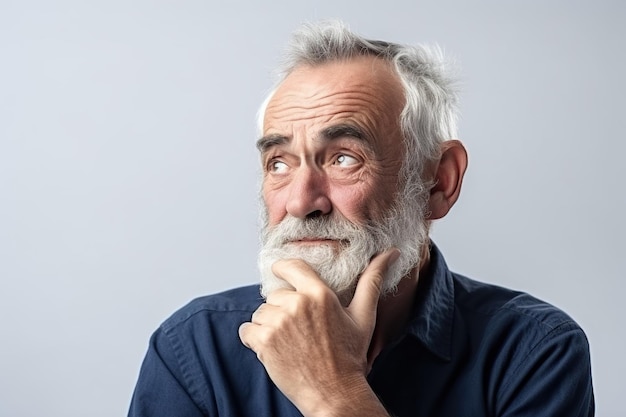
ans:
(430, 113)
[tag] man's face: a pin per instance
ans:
(331, 153)
(332, 143)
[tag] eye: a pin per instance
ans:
(346, 160)
(277, 167)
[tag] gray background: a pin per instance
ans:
(128, 174)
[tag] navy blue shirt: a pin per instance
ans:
(471, 349)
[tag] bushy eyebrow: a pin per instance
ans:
(342, 130)
(327, 134)
(269, 141)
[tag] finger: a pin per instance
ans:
(279, 296)
(256, 315)
(265, 314)
(298, 273)
(246, 334)
(365, 301)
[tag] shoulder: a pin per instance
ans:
(521, 337)
(527, 346)
(231, 304)
(196, 358)
(515, 328)
(492, 302)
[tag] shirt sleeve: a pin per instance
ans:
(160, 389)
(553, 380)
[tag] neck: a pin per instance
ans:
(394, 310)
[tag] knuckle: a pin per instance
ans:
(256, 315)
(264, 339)
(323, 295)
(298, 302)
(244, 335)
(316, 292)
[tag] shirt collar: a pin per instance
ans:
(434, 307)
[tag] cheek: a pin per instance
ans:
(275, 203)
(366, 202)
(354, 203)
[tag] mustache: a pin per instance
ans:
(331, 228)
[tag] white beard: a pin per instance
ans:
(404, 228)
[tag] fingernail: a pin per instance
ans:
(394, 256)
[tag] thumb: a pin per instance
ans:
(365, 300)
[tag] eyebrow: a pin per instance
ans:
(327, 134)
(269, 141)
(343, 129)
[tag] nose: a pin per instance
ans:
(308, 193)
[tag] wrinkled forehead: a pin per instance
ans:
(372, 82)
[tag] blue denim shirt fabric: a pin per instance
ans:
(471, 349)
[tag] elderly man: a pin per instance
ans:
(359, 314)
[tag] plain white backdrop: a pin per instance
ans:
(128, 173)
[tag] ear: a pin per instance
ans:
(447, 179)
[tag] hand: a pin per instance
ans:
(313, 348)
